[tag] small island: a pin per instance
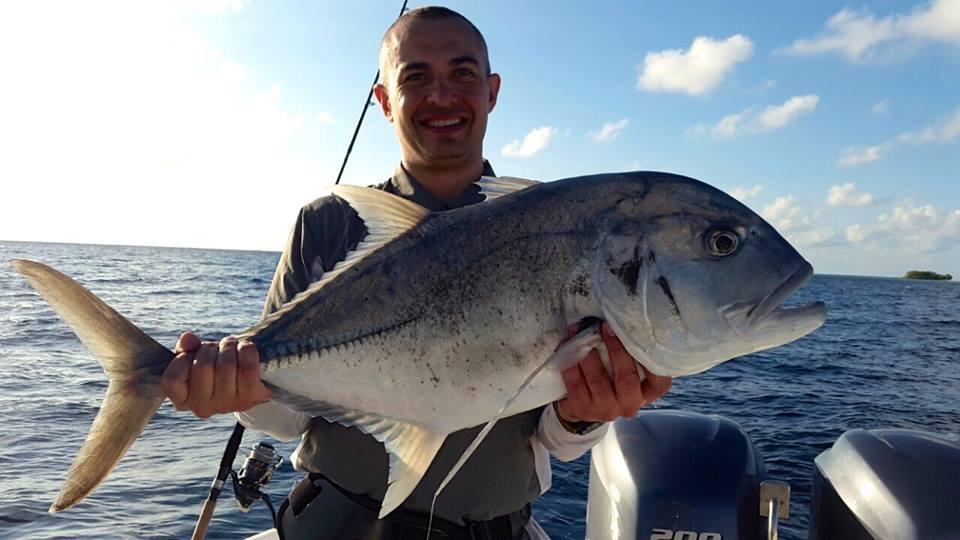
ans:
(926, 274)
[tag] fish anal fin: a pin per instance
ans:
(412, 449)
(411, 446)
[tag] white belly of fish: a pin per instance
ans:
(416, 374)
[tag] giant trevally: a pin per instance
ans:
(438, 320)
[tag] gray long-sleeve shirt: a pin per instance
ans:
(502, 475)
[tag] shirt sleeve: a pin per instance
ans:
(564, 445)
(276, 420)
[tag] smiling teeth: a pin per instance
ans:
(443, 123)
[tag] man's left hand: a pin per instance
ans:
(593, 395)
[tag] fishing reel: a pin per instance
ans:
(257, 470)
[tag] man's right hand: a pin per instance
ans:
(209, 378)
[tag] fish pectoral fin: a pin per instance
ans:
(569, 353)
(411, 447)
(497, 186)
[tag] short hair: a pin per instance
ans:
(430, 13)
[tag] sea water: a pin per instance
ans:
(888, 356)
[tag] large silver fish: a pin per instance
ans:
(438, 320)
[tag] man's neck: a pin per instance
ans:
(445, 184)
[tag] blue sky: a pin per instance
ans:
(209, 124)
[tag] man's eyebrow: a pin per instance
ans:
(410, 66)
(465, 59)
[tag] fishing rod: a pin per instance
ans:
(233, 444)
(226, 467)
(366, 105)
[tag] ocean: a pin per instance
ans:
(888, 356)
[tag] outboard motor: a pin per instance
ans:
(675, 475)
(887, 483)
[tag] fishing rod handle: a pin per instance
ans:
(203, 522)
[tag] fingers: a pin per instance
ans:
(655, 386)
(249, 384)
(175, 377)
(225, 374)
(626, 379)
(202, 380)
(578, 395)
(188, 342)
(209, 378)
(595, 395)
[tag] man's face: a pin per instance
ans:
(436, 91)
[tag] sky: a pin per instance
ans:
(210, 123)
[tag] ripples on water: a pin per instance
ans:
(887, 357)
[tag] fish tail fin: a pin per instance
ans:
(132, 361)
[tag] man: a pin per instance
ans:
(437, 89)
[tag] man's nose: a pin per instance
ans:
(442, 93)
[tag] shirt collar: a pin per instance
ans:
(404, 184)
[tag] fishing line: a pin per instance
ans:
(366, 105)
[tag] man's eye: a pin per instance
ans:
(464, 73)
(415, 77)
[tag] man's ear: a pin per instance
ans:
(493, 81)
(384, 100)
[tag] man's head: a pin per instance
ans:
(436, 88)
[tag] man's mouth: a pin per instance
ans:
(444, 125)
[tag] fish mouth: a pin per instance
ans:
(770, 309)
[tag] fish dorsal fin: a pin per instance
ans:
(385, 216)
(494, 187)
(411, 446)
(383, 213)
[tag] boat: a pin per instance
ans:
(678, 475)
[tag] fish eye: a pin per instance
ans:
(722, 242)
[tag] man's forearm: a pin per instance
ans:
(276, 420)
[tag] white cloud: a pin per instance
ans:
(858, 155)
(944, 132)
(818, 236)
(743, 193)
(910, 227)
(858, 35)
(799, 227)
(535, 141)
(696, 71)
(784, 214)
(775, 117)
(749, 121)
(609, 131)
(324, 118)
(847, 195)
(855, 234)
(881, 107)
